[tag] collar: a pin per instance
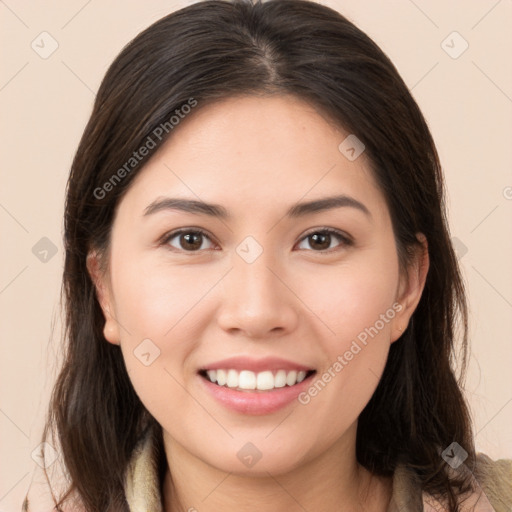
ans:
(143, 483)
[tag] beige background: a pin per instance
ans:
(45, 104)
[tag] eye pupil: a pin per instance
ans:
(319, 237)
(187, 237)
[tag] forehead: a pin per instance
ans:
(254, 152)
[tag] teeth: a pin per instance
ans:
(280, 379)
(291, 378)
(262, 381)
(232, 380)
(222, 377)
(265, 380)
(246, 380)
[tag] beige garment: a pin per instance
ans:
(142, 486)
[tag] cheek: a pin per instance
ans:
(154, 299)
(155, 307)
(352, 296)
(356, 303)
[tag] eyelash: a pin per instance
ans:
(345, 240)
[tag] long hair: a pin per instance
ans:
(218, 49)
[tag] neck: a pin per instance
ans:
(331, 481)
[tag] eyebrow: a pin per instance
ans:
(216, 210)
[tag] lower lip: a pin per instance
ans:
(256, 402)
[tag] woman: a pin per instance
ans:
(261, 291)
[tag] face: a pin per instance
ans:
(254, 291)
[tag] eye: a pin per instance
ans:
(322, 238)
(190, 240)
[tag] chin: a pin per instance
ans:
(258, 458)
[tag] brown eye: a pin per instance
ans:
(187, 240)
(321, 240)
(191, 240)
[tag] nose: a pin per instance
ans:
(257, 300)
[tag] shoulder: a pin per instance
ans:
(38, 503)
(492, 487)
(495, 479)
(43, 493)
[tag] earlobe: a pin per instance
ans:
(103, 294)
(411, 287)
(111, 331)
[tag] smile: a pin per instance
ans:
(249, 386)
(247, 380)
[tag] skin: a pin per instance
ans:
(257, 156)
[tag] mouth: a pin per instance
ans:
(250, 381)
(251, 386)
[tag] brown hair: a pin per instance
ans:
(214, 50)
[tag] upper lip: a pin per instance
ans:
(256, 365)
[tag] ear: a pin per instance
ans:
(410, 288)
(104, 295)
